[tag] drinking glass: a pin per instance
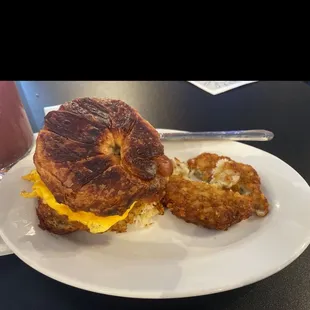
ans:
(16, 135)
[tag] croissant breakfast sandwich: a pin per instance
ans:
(99, 166)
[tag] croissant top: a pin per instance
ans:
(100, 155)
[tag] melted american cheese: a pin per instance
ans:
(96, 224)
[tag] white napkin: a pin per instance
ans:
(218, 87)
(51, 108)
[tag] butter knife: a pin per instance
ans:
(235, 135)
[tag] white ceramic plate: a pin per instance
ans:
(4, 249)
(172, 258)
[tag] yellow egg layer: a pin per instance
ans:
(96, 224)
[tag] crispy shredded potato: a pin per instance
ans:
(227, 192)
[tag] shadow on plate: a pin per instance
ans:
(193, 236)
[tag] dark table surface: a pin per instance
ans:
(282, 107)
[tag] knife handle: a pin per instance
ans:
(235, 135)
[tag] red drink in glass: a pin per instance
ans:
(16, 136)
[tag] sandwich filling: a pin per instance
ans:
(95, 224)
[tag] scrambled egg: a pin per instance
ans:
(96, 224)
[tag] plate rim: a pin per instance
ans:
(153, 294)
(7, 251)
